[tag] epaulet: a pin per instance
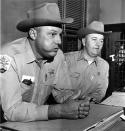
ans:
(5, 62)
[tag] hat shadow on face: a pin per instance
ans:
(46, 14)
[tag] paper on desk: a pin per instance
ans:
(116, 99)
(122, 117)
(104, 123)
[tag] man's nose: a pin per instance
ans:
(58, 40)
(98, 43)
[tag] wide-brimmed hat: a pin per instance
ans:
(94, 27)
(46, 14)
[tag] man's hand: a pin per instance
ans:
(71, 110)
(83, 109)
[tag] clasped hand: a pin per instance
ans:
(75, 109)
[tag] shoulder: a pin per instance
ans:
(14, 47)
(103, 62)
(72, 57)
(60, 56)
(72, 54)
(9, 52)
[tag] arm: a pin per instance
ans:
(98, 92)
(70, 110)
(64, 91)
(15, 109)
(63, 88)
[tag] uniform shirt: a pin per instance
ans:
(26, 83)
(91, 78)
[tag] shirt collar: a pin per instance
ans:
(29, 55)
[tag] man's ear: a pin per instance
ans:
(83, 41)
(32, 33)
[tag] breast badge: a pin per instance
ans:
(28, 80)
(5, 61)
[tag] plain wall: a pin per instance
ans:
(123, 11)
(0, 23)
(112, 11)
(93, 10)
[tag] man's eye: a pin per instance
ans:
(94, 39)
(52, 34)
(102, 41)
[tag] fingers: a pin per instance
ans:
(83, 109)
(83, 112)
(85, 104)
(81, 116)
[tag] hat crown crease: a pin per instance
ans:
(97, 26)
(50, 11)
(43, 15)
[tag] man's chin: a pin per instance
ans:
(51, 55)
(95, 55)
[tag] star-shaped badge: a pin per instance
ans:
(5, 61)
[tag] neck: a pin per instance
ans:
(37, 55)
(87, 56)
(32, 44)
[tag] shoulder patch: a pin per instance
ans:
(5, 61)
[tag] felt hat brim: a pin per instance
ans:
(25, 25)
(83, 32)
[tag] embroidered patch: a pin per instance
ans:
(28, 80)
(5, 61)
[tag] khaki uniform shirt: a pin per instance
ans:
(25, 86)
(91, 79)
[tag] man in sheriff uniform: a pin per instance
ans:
(34, 67)
(88, 71)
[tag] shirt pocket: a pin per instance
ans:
(27, 92)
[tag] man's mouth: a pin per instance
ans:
(55, 49)
(97, 48)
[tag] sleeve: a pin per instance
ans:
(99, 91)
(63, 89)
(11, 98)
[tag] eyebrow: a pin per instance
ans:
(55, 31)
(97, 37)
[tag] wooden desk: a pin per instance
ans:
(118, 126)
(97, 113)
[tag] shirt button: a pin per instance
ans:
(92, 77)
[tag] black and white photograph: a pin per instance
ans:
(62, 65)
